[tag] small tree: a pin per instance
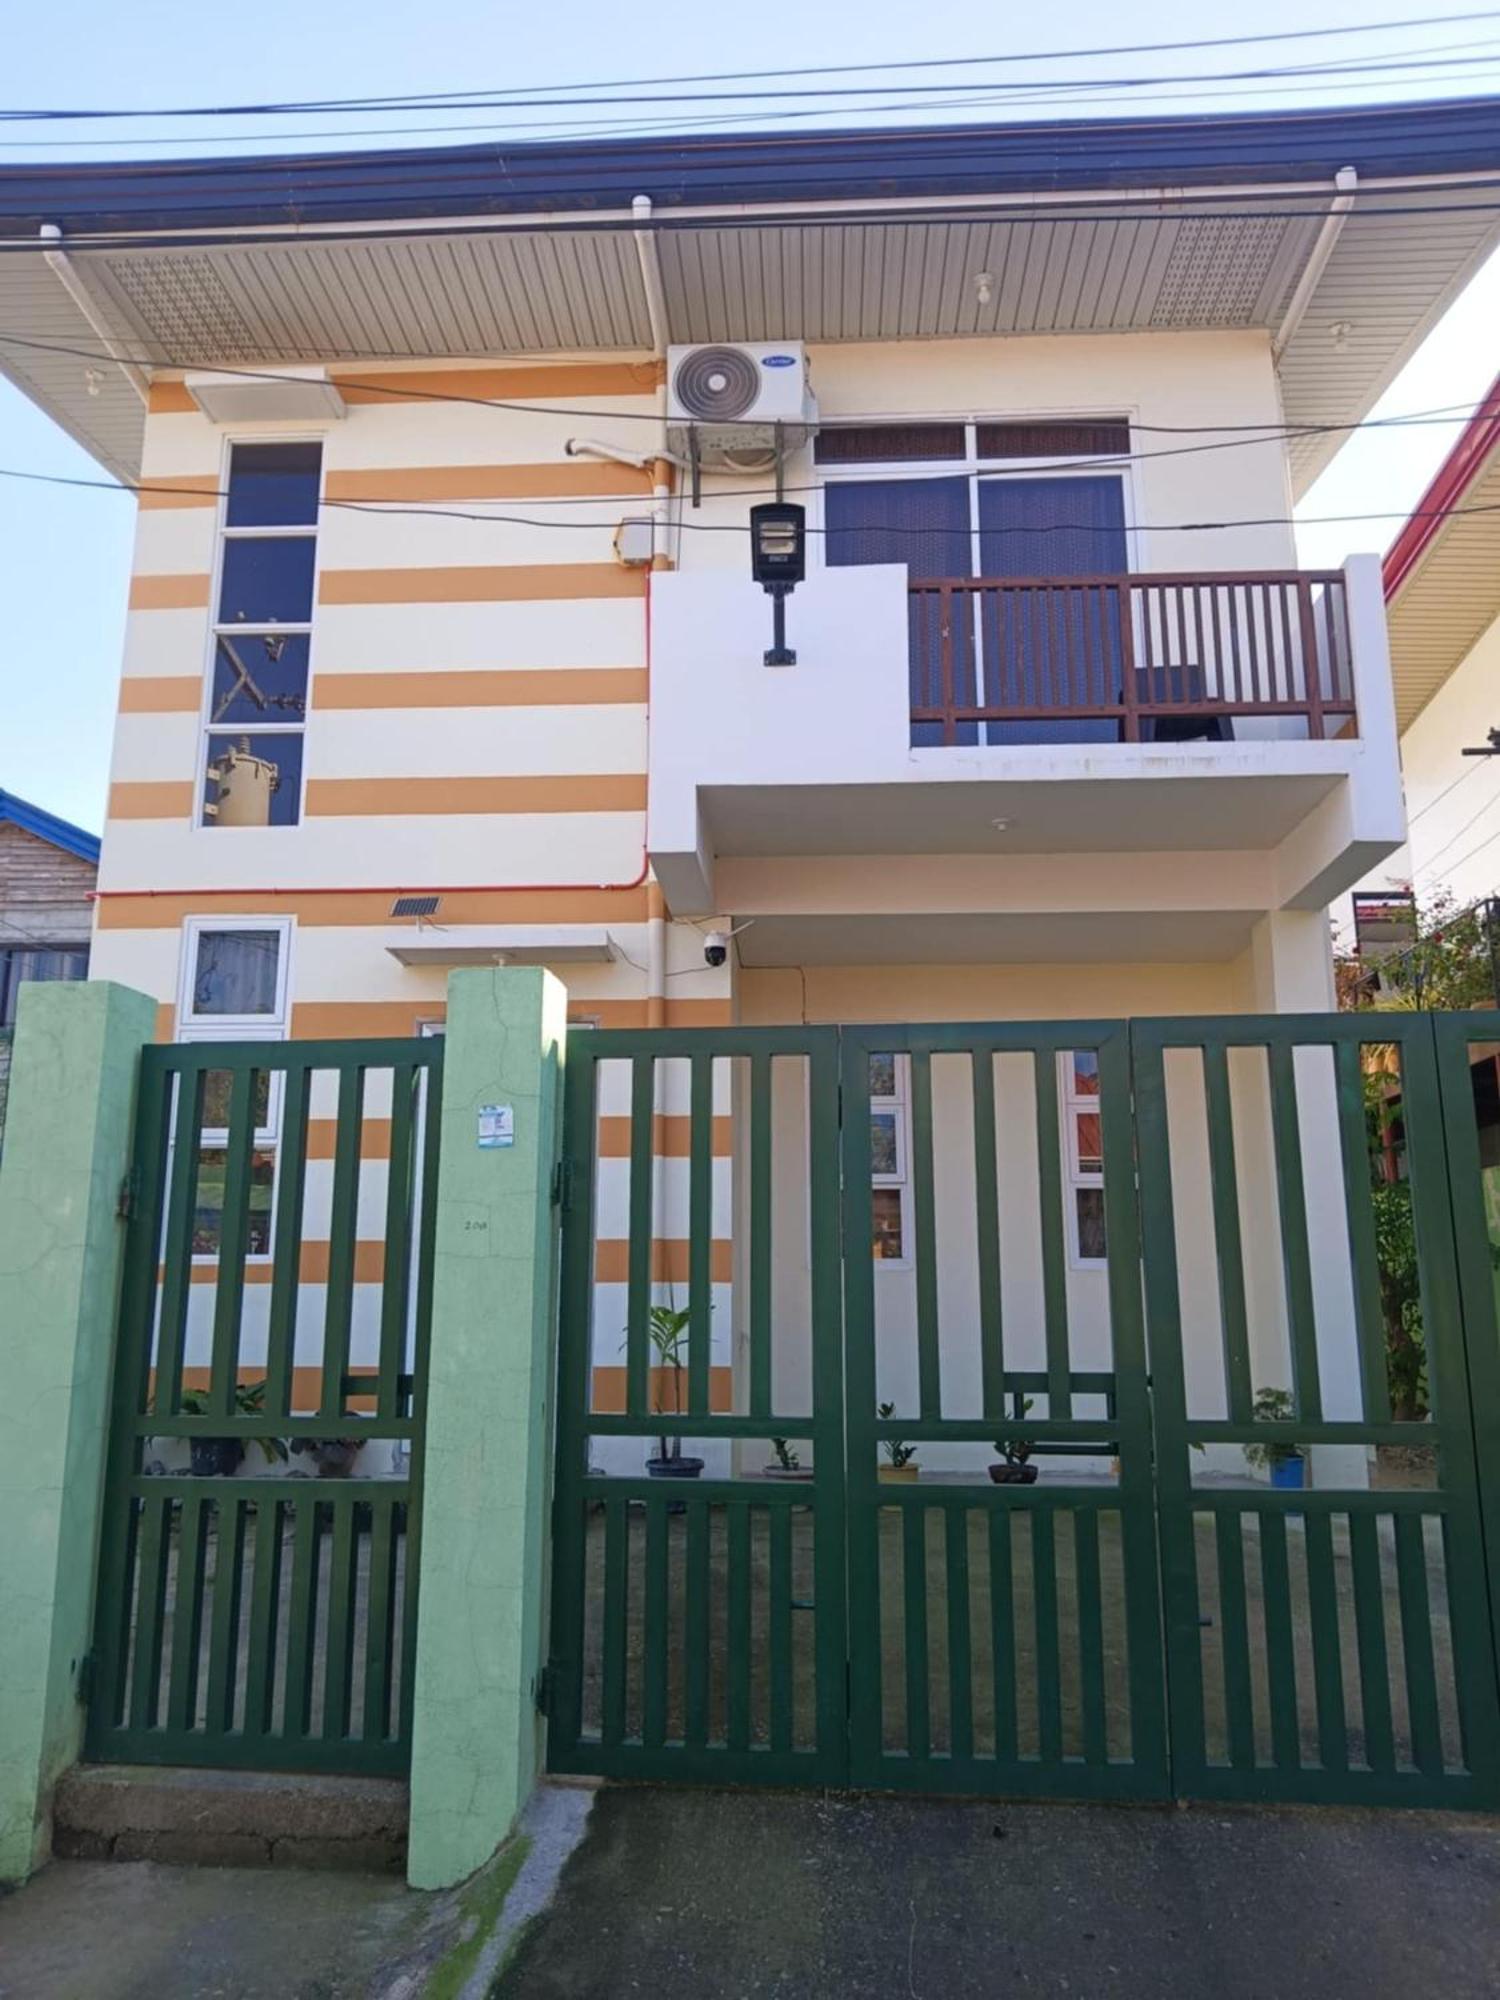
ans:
(1452, 964)
(667, 1328)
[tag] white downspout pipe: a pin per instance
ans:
(58, 261)
(656, 313)
(1346, 181)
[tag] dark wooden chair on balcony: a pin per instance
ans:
(1186, 688)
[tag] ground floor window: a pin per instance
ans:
(1083, 1153)
(890, 1114)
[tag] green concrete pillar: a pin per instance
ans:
(475, 1729)
(67, 1149)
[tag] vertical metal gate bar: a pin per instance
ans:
(177, 1256)
(343, 1229)
(574, 1383)
(615, 1654)
(929, 1357)
(987, 1217)
(760, 1234)
(1364, 1255)
(1002, 1634)
(286, 1243)
(738, 1582)
(1054, 1265)
(654, 1642)
(861, 1487)
(380, 1622)
(780, 1628)
(700, 1230)
(1416, 1645)
(1281, 1659)
(265, 1608)
(914, 1629)
(829, 1517)
(960, 1664)
(234, 1230)
(151, 1598)
(1327, 1651)
(395, 1290)
(640, 1267)
(1224, 1186)
(224, 1631)
(699, 1583)
(187, 1612)
(1048, 1639)
(302, 1613)
(1234, 1639)
(1369, 1628)
(1296, 1258)
(1090, 1635)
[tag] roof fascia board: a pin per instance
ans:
(1452, 480)
(47, 826)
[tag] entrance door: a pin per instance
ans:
(1049, 647)
(923, 523)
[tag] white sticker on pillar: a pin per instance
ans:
(497, 1125)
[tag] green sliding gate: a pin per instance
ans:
(1129, 1250)
(249, 1613)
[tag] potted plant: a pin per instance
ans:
(1286, 1464)
(1012, 1467)
(667, 1326)
(219, 1457)
(788, 1464)
(898, 1469)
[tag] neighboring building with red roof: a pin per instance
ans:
(1442, 589)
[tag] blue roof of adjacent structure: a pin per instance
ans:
(47, 826)
(1450, 136)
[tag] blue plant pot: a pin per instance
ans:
(1289, 1472)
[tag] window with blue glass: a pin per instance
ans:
(257, 707)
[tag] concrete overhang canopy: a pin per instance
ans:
(1442, 572)
(501, 944)
(1125, 225)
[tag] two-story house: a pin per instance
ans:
(444, 645)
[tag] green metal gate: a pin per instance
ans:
(698, 1626)
(246, 1616)
(1043, 1674)
(1114, 1235)
(1332, 1644)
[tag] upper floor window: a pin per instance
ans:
(257, 706)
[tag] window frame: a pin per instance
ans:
(11, 950)
(971, 466)
(223, 535)
(195, 1027)
(900, 1104)
(1072, 1103)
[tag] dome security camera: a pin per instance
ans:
(716, 948)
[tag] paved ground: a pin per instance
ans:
(743, 1895)
(754, 1894)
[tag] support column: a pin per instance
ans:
(1291, 963)
(476, 1733)
(67, 1151)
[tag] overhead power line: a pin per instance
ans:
(435, 511)
(1254, 433)
(553, 93)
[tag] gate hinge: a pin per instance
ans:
(87, 1670)
(542, 1689)
(126, 1200)
(562, 1185)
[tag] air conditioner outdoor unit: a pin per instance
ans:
(728, 401)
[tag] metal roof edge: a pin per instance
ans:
(1450, 135)
(47, 826)
(1430, 517)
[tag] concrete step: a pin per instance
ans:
(229, 1819)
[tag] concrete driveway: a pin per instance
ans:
(822, 1897)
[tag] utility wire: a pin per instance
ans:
(1254, 433)
(1453, 839)
(1469, 771)
(554, 92)
(432, 511)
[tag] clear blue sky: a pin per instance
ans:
(64, 556)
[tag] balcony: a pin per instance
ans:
(1241, 722)
(1130, 659)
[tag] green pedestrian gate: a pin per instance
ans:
(797, 1263)
(273, 1319)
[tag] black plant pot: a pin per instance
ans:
(674, 1468)
(1005, 1474)
(215, 1458)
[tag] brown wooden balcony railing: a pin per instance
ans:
(1133, 659)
